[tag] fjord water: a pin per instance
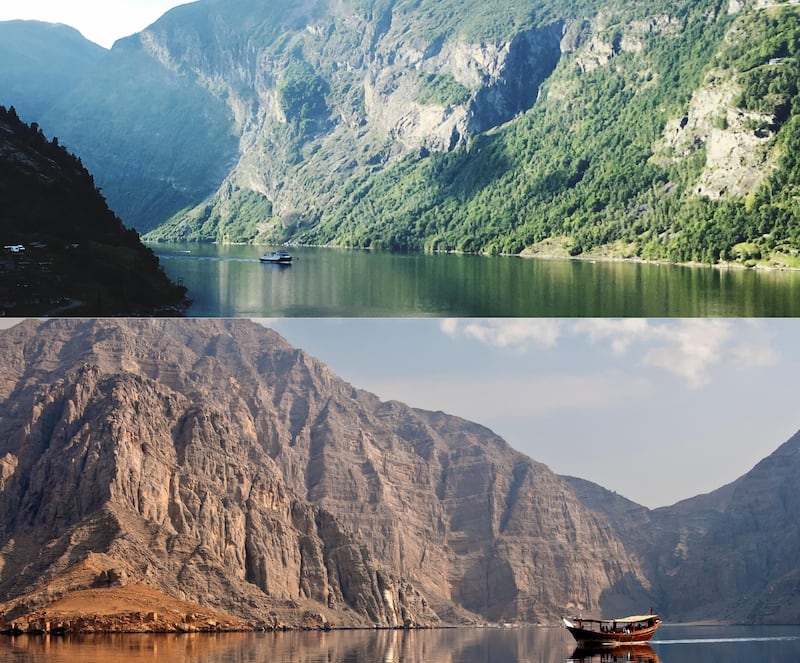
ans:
(459, 645)
(229, 281)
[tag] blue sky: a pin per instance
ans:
(656, 410)
(101, 21)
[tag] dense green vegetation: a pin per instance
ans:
(79, 259)
(237, 220)
(301, 93)
(441, 89)
(587, 171)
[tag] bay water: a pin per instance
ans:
(673, 644)
(229, 281)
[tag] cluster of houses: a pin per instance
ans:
(23, 277)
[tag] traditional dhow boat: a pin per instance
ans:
(622, 630)
(279, 257)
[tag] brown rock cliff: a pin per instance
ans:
(213, 462)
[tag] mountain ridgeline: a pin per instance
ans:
(213, 463)
(665, 130)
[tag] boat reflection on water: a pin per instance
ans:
(632, 653)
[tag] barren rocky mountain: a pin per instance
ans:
(205, 474)
(211, 461)
(730, 555)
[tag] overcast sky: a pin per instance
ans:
(656, 410)
(101, 21)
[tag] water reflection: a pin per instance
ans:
(230, 281)
(459, 645)
(360, 646)
(621, 654)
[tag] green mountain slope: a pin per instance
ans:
(157, 140)
(666, 130)
(592, 163)
(76, 257)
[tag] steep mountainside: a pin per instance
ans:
(729, 555)
(215, 463)
(76, 255)
(210, 462)
(664, 130)
(736, 549)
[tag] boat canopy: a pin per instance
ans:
(621, 620)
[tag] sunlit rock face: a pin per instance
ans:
(216, 463)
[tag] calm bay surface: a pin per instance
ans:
(674, 644)
(229, 281)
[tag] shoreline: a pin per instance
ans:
(526, 254)
(92, 625)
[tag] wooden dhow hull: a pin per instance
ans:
(613, 632)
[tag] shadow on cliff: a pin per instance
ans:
(627, 597)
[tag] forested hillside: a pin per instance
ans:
(593, 162)
(64, 251)
(665, 130)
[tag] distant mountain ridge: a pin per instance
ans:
(732, 553)
(214, 463)
(665, 130)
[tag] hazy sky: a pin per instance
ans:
(102, 21)
(656, 410)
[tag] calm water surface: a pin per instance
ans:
(229, 281)
(524, 645)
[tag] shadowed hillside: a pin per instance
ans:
(66, 252)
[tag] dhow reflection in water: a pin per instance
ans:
(641, 653)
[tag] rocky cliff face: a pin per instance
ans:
(215, 463)
(736, 548)
(375, 69)
(729, 555)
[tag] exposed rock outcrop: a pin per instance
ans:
(210, 462)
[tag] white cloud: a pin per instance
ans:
(515, 334)
(756, 349)
(688, 349)
(619, 333)
(449, 327)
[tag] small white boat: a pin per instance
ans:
(281, 257)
